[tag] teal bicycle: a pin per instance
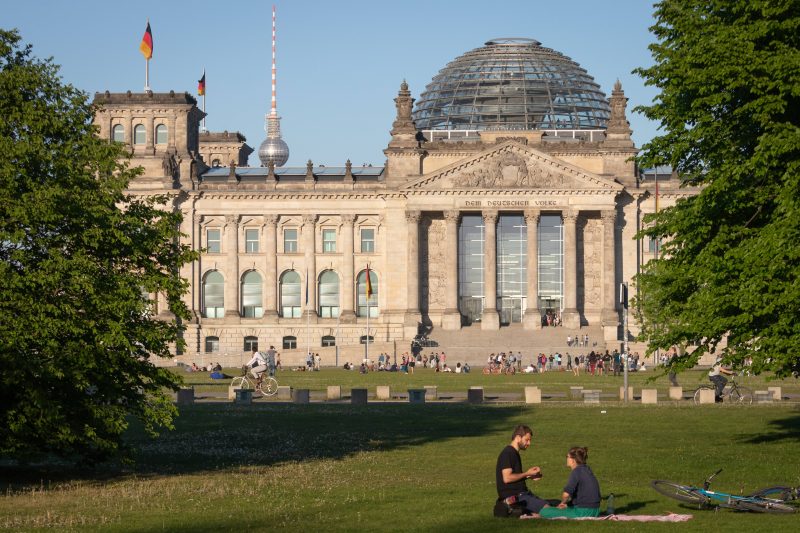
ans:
(759, 501)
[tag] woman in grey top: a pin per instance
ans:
(582, 489)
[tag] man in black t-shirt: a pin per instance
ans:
(510, 477)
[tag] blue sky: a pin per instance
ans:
(340, 64)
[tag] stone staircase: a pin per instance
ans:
(472, 345)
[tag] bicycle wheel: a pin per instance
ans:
(763, 505)
(682, 493)
(778, 492)
(741, 395)
(697, 392)
(269, 386)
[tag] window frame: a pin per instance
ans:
(161, 128)
(328, 240)
(290, 245)
(118, 128)
(289, 342)
(218, 240)
(250, 343)
(212, 341)
(252, 243)
(139, 128)
(370, 248)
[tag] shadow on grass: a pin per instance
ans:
(783, 429)
(210, 437)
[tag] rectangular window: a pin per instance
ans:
(289, 241)
(251, 241)
(212, 344)
(367, 240)
(213, 241)
(652, 245)
(328, 241)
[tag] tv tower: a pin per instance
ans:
(274, 149)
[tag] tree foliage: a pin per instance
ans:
(77, 257)
(728, 72)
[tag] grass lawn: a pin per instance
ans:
(401, 467)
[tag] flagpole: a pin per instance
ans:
(204, 99)
(146, 74)
(308, 319)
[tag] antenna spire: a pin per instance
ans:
(274, 149)
(274, 107)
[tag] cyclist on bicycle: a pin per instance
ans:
(715, 376)
(257, 365)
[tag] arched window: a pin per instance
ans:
(161, 134)
(216, 163)
(329, 294)
(289, 343)
(118, 133)
(214, 295)
(250, 344)
(290, 295)
(252, 304)
(363, 304)
(212, 344)
(328, 341)
(138, 134)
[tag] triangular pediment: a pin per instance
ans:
(511, 165)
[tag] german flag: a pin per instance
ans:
(369, 284)
(147, 43)
(201, 85)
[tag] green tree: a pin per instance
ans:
(77, 257)
(728, 72)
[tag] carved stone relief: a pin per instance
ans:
(433, 270)
(513, 171)
(593, 262)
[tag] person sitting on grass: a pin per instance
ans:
(582, 489)
(513, 494)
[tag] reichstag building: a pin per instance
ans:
(506, 210)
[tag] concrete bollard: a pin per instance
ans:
(706, 396)
(777, 394)
(284, 392)
(533, 395)
(244, 397)
(358, 396)
(300, 395)
(416, 395)
(650, 396)
(383, 392)
(475, 395)
(232, 392)
(431, 392)
(591, 396)
(576, 393)
(763, 396)
(334, 392)
(676, 393)
(622, 393)
(185, 396)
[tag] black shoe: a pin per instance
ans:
(718, 400)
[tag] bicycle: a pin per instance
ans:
(705, 498)
(266, 387)
(779, 492)
(733, 393)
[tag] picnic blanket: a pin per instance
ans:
(670, 517)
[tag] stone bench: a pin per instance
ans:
(705, 396)
(576, 393)
(475, 395)
(763, 396)
(383, 392)
(300, 395)
(622, 393)
(284, 393)
(334, 392)
(777, 393)
(649, 396)
(243, 397)
(591, 396)
(533, 395)
(417, 395)
(676, 393)
(358, 396)
(431, 392)
(185, 396)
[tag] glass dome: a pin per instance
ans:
(508, 84)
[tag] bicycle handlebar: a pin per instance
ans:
(707, 482)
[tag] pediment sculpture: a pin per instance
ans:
(512, 171)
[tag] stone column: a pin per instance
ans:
(129, 130)
(490, 320)
(533, 315)
(171, 134)
(347, 294)
(412, 268)
(309, 230)
(231, 242)
(610, 316)
(150, 135)
(570, 317)
(271, 304)
(197, 276)
(451, 318)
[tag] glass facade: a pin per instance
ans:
(512, 84)
(290, 295)
(512, 268)
(470, 267)
(361, 290)
(329, 294)
(551, 264)
(252, 306)
(214, 295)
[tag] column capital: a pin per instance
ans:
(452, 215)
(309, 219)
(608, 216)
(570, 216)
(532, 215)
(231, 220)
(197, 219)
(413, 216)
(271, 219)
(348, 219)
(489, 216)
